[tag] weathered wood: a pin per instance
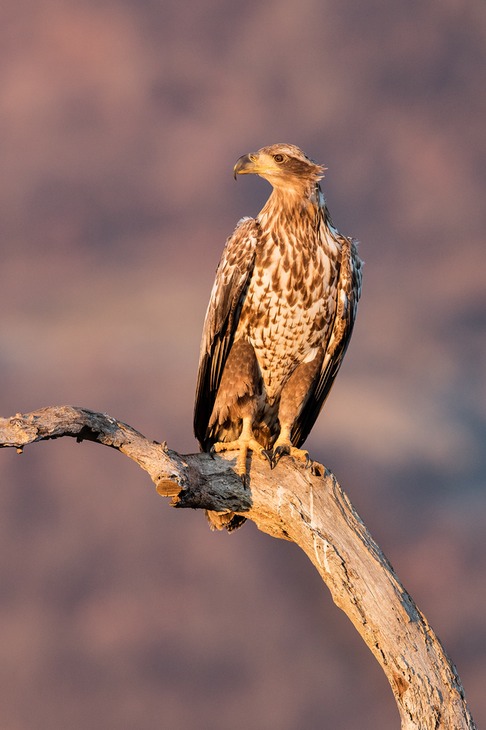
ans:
(292, 503)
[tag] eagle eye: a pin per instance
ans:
(278, 158)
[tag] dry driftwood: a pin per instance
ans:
(312, 511)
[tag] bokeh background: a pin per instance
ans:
(120, 122)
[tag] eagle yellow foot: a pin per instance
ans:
(283, 447)
(242, 445)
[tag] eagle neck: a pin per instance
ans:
(284, 206)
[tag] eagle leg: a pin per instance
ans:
(244, 443)
(294, 394)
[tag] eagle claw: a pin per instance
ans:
(269, 457)
(282, 450)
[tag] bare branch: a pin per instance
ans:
(312, 511)
(84, 425)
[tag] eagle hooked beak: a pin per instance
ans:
(244, 166)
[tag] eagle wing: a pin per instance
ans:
(227, 296)
(347, 296)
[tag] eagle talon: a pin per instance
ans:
(269, 457)
(282, 450)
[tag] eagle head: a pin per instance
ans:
(283, 165)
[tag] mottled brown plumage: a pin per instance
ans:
(279, 319)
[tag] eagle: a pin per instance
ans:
(279, 319)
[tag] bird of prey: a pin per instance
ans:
(279, 319)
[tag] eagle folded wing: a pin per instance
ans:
(347, 296)
(232, 277)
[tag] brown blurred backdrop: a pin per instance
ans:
(120, 121)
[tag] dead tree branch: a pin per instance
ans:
(312, 511)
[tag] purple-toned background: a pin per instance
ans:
(120, 122)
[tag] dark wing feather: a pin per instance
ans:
(230, 286)
(348, 293)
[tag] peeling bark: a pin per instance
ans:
(312, 511)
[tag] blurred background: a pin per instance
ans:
(120, 123)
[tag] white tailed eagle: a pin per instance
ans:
(279, 320)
